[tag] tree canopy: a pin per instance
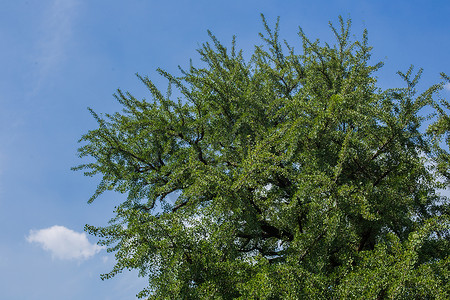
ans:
(285, 176)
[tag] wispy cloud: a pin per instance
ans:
(56, 27)
(64, 243)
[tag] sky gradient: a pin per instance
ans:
(59, 57)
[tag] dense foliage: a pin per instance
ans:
(288, 176)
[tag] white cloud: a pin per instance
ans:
(447, 86)
(64, 243)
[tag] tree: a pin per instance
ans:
(288, 176)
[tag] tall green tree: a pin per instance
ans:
(287, 176)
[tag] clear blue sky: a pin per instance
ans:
(60, 56)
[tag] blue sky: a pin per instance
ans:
(60, 56)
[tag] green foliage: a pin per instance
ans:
(288, 176)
